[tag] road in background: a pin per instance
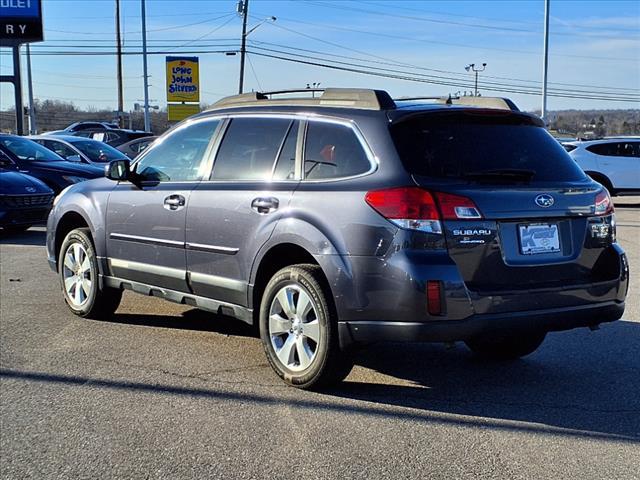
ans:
(166, 391)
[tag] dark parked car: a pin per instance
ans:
(24, 200)
(113, 137)
(135, 147)
(40, 162)
(79, 149)
(347, 219)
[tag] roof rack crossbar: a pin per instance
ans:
(358, 98)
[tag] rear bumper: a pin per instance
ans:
(554, 319)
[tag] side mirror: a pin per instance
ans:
(74, 158)
(118, 170)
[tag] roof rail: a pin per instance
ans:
(485, 102)
(359, 98)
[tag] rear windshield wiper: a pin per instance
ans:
(521, 174)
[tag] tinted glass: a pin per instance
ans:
(333, 151)
(98, 151)
(27, 150)
(60, 148)
(608, 149)
(286, 166)
(469, 145)
(569, 148)
(249, 148)
(178, 157)
(6, 162)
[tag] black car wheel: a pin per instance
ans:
(299, 329)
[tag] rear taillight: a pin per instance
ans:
(456, 207)
(407, 207)
(416, 209)
(604, 205)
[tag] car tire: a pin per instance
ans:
(15, 229)
(299, 329)
(506, 347)
(604, 181)
(79, 278)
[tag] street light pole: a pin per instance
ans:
(243, 9)
(147, 120)
(472, 67)
(119, 67)
(545, 65)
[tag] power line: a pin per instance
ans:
(422, 80)
(439, 42)
(392, 63)
(451, 22)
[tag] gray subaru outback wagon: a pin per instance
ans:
(346, 219)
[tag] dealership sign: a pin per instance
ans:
(183, 83)
(20, 21)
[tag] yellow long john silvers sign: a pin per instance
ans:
(183, 82)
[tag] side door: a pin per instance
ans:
(234, 213)
(620, 162)
(145, 222)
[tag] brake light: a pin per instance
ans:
(457, 207)
(434, 297)
(603, 205)
(407, 207)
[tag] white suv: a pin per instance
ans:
(613, 161)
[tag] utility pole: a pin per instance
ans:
(545, 65)
(472, 67)
(33, 127)
(17, 89)
(243, 9)
(119, 68)
(147, 120)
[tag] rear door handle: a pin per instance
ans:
(174, 202)
(264, 205)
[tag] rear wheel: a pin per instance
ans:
(506, 347)
(78, 269)
(604, 181)
(299, 329)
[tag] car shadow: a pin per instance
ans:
(32, 237)
(193, 319)
(578, 380)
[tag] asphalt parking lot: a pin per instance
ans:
(165, 391)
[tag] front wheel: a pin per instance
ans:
(506, 346)
(78, 269)
(299, 330)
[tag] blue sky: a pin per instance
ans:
(594, 45)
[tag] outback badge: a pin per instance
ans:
(544, 200)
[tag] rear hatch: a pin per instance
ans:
(517, 212)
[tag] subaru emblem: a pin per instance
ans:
(544, 200)
(30, 189)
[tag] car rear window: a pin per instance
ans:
(464, 145)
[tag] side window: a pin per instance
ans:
(286, 166)
(5, 161)
(179, 157)
(333, 151)
(629, 149)
(249, 148)
(60, 148)
(607, 149)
